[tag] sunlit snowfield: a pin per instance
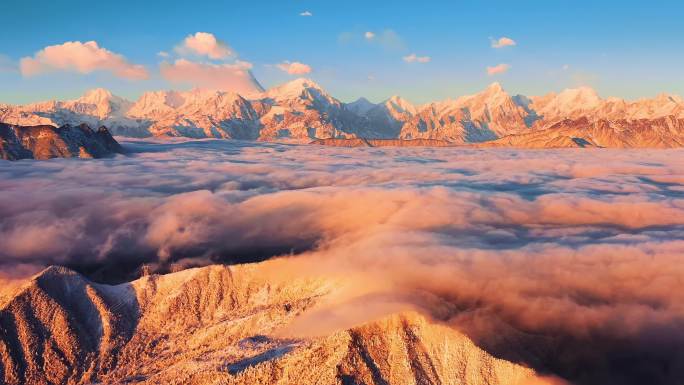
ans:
(585, 244)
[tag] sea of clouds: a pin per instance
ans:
(570, 261)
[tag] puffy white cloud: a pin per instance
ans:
(498, 69)
(294, 68)
(234, 77)
(75, 56)
(413, 58)
(204, 44)
(163, 54)
(369, 35)
(306, 13)
(503, 42)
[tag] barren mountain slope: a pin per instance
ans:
(222, 325)
(359, 142)
(44, 142)
(666, 132)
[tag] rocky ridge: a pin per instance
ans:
(45, 142)
(219, 325)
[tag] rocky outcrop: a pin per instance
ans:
(362, 142)
(666, 132)
(45, 142)
(220, 324)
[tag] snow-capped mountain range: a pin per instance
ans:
(302, 111)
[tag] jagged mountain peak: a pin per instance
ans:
(400, 104)
(668, 98)
(568, 101)
(295, 87)
(584, 92)
(101, 96)
(96, 94)
(493, 88)
(301, 91)
(360, 106)
(100, 102)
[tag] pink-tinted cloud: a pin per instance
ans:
(82, 58)
(413, 58)
(294, 68)
(204, 44)
(234, 77)
(498, 69)
(503, 42)
(544, 257)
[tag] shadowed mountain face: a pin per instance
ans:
(45, 142)
(302, 111)
(221, 325)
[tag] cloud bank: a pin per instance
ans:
(234, 77)
(84, 58)
(569, 261)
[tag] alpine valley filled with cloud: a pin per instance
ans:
(345, 194)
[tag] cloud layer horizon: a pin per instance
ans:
(575, 251)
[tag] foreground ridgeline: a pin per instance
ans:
(301, 111)
(362, 142)
(220, 324)
(45, 142)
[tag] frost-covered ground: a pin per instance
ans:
(584, 247)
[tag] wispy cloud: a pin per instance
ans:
(294, 68)
(306, 13)
(84, 58)
(498, 69)
(413, 58)
(387, 39)
(204, 44)
(503, 42)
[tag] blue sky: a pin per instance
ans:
(628, 49)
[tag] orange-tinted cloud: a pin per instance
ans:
(234, 77)
(563, 260)
(84, 58)
(503, 42)
(294, 68)
(204, 44)
(498, 69)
